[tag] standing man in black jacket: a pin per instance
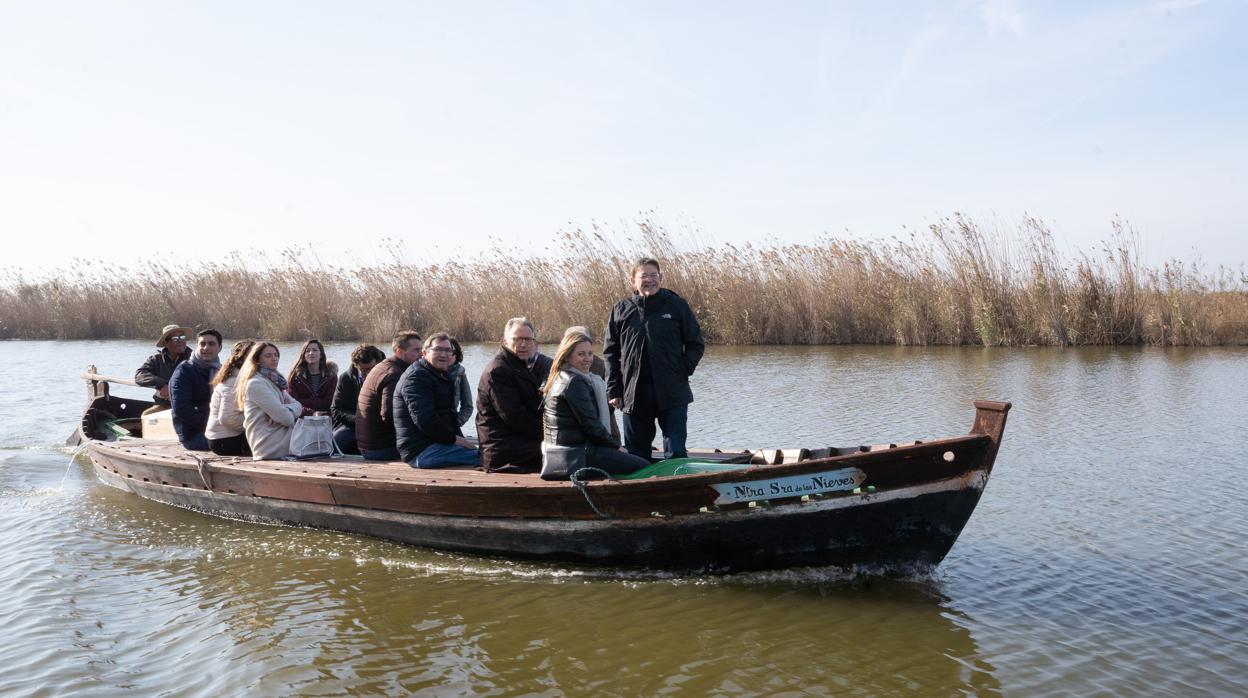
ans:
(653, 345)
(158, 369)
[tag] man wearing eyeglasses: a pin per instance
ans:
(425, 421)
(509, 402)
(158, 369)
(653, 345)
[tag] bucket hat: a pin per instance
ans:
(172, 329)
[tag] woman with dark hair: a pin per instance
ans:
(347, 395)
(463, 393)
(576, 417)
(269, 412)
(312, 379)
(225, 417)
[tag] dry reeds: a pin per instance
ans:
(954, 284)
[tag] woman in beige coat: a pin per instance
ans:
(269, 412)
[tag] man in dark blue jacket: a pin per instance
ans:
(425, 422)
(653, 345)
(190, 391)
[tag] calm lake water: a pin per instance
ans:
(1106, 557)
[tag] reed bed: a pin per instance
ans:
(952, 284)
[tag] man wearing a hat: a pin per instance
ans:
(158, 369)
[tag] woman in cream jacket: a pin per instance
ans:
(269, 412)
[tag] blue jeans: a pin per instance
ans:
(344, 436)
(391, 453)
(639, 429)
(439, 455)
(198, 442)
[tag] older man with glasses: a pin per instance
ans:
(509, 402)
(158, 369)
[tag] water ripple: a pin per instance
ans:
(1104, 558)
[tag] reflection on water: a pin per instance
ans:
(342, 613)
(1103, 557)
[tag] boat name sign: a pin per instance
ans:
(791, 486)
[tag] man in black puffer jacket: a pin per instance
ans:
(425, 423)
(653, 345)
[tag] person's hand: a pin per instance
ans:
(164, 392)
(615, 402)
(461, 441)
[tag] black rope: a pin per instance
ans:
(580, 485)
(201, 464)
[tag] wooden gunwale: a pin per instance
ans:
(398, 487)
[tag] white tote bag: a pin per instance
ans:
(312, 436)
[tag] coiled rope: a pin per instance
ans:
(579, 484)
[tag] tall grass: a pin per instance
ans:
(954, 283)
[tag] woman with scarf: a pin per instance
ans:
(225, 417)
(269, 412)
(576, 417)
(312, 379)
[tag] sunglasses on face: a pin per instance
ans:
(176, 338)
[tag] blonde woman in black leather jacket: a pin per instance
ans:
(576, 417)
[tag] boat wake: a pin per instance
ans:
(856, 575)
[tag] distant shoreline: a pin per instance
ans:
(953, 285)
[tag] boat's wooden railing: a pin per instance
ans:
(97, 384)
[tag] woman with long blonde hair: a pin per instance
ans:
(269, 412)
(577, 419)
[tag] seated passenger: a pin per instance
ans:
(599, 368)
(424, 411)
(576, 417)
(374, 423)
(269, 412)
(158, 369)
(312, 379)
(509, 402)
(225, 417)
(347, 395)
(463, 393)
(190, 391)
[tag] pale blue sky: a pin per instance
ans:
(129, 127)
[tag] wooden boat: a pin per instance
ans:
(891, 506)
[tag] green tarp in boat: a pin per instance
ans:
(682, 466)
